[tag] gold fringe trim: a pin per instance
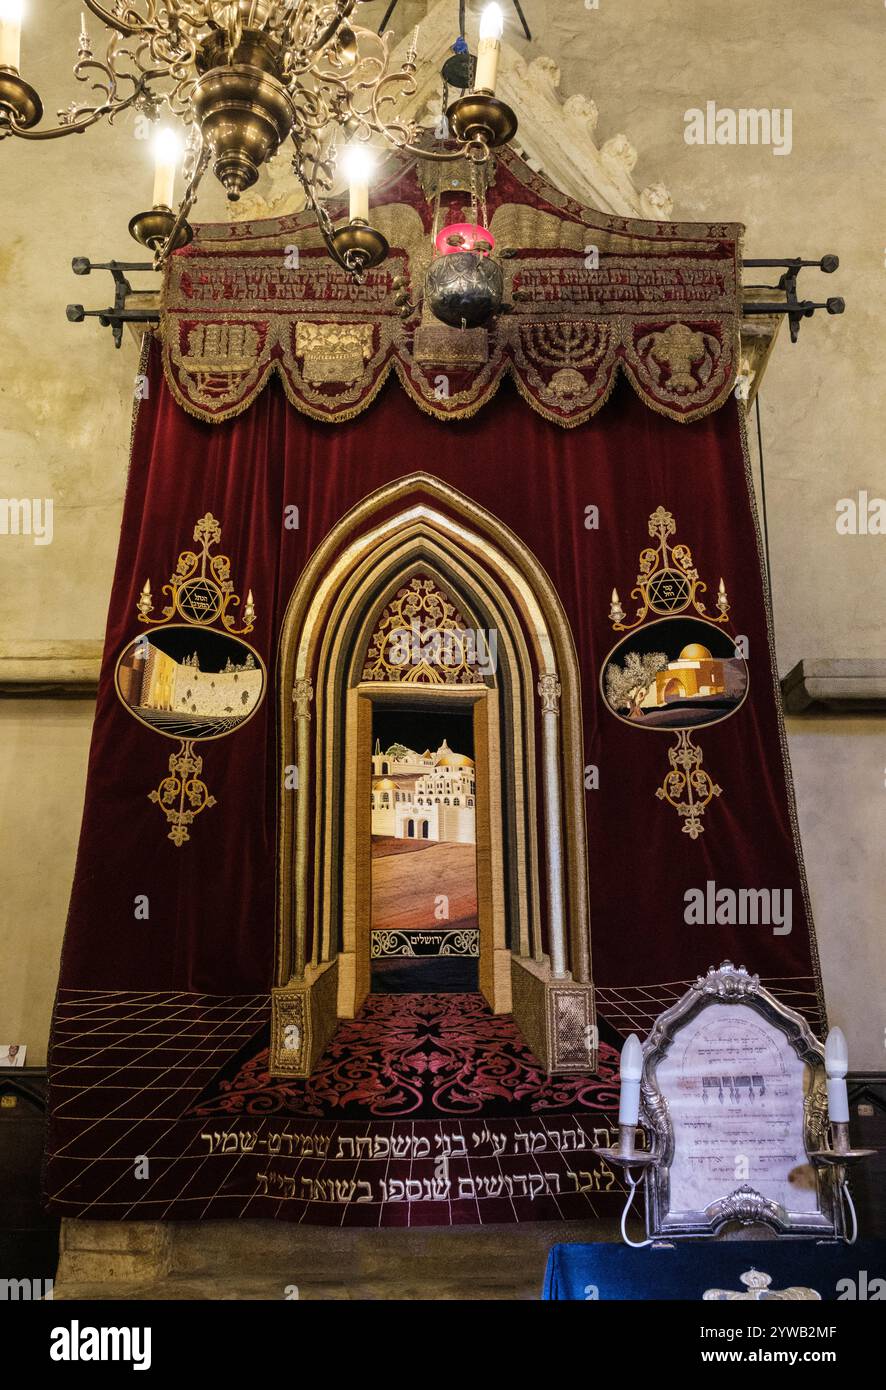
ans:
(507, 368)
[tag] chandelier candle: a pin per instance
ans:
(10, 33)
(488, 49)
(358, 165)
(166, 154)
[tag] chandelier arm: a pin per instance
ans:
(93, 114)
(397, 132)
(324, 222)
(392, 133)
(162, 254)
(115, 22)
(331, 28)
(353, 261)
(193, 19)
(440, 156)
(80, 118)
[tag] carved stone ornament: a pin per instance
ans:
(549, 690)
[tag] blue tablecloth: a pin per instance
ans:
(687, 1269)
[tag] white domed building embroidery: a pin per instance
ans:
(423, 796)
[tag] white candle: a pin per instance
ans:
(836, 1063)
(10, 33)
(358, 165)
(167, 149)
(488, 49)
(631, 1072)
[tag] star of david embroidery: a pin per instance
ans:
(199, 600)
(668, 591)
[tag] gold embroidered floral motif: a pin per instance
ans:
(667, 581)
(422, 639)
(201, 589)
(182, 795)
(688, 779)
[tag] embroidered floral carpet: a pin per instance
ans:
(422, 1056)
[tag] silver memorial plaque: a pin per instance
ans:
(734, 1092)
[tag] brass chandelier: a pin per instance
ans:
(243, 76)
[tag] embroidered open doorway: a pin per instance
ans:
(420, 600)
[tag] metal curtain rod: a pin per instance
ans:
(796, 309)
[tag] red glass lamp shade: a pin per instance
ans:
(464, 236)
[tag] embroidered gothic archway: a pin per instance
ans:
(532, 858)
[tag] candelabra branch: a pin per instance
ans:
(248, 76)
(114, 21)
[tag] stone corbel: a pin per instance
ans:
(836, 686)
(58, 670)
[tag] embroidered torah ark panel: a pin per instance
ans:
(438, 692)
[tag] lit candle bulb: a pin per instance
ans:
(616, 612)
(631, 1071)
(167, 150)
(10, 33)
(145, 602)
(358, 164)
(836, 1064)
(488, 49)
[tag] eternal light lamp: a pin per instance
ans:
(242, 77)
(464, 236)
(464, 285)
